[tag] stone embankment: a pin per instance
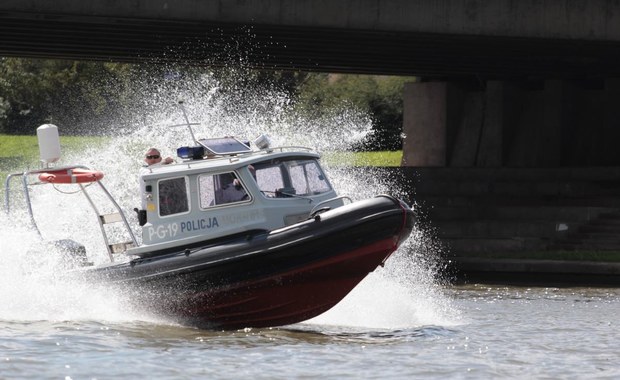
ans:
(522, 225)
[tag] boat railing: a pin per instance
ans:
(236, 156)
(24, 176)
(103, 219)
(287, 148)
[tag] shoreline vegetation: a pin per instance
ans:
(16, 150)
(78, 95)
(21, 152)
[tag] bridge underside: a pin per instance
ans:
(304, 48)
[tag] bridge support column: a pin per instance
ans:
(499, 117)
(445, 125)
(425, 124)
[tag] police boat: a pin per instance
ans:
(233, 235)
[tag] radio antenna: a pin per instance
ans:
(189, 125)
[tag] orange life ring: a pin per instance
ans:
(71, 176)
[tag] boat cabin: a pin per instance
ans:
(217, 193)
(217, 188)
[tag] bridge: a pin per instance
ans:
(450, 38)
(513, 125)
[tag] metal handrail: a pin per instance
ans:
(120, 212)
(24, 175)
(26, 191)
(7, 204)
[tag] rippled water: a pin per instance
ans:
(398, 323)
(487, 332)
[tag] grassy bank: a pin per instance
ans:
(23, 151)
(20, 152)
(386, 158)
(15, 149)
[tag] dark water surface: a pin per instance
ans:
(491, 332)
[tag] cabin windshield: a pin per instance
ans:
(287, 177)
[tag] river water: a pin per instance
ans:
(401, 322)
(487, 332)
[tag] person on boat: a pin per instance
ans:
(237, 183)
(153, 157)
(230, 191)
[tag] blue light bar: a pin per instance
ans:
(193, 152)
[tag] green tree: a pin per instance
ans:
(80, 95)
(380, 96)
(70, 93)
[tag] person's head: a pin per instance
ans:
(152, 156)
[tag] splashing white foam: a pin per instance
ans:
(32, 287)
(403, 294)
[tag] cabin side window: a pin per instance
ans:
(220, 189)
(172, 194)
(281, 179)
